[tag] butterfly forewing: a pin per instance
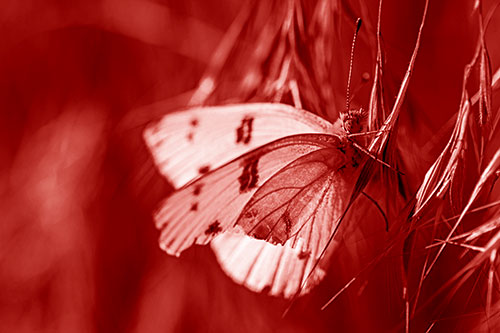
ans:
(211, 204)
(187, 144)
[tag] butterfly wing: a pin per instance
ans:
(293, 214)
(211, 204)
(188, 143)
(279, 270)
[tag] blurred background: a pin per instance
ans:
(80, 80)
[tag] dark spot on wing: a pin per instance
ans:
(194, 206)
(194, 122)
(197, 189)
(204, 169)
(213, 228)
(261, 231)
(304, 255)
(250, 175)
(251, 213)
(190, 136)
(244, 132)
(272, 230)
(288, 223)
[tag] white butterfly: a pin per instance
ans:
(265, 184)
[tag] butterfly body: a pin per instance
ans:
(268, 186)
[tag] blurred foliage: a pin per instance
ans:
(78, 83)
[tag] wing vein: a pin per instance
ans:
(281, 206)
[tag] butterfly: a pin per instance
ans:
(266, 184)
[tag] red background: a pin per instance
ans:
(78, 247)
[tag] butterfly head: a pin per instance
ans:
(353, 121)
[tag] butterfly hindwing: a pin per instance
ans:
(189, 143)
(277, 269)
(294, 214)
(211, 204)
(287, 201)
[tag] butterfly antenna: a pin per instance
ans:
(348, 97)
